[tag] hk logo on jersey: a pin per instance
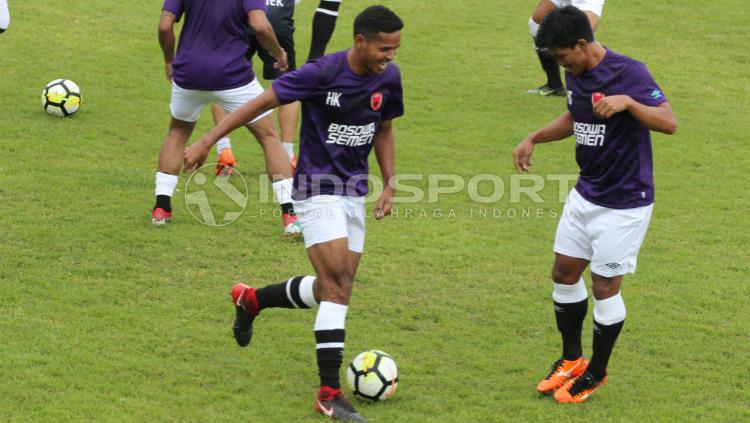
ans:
(376, 101)
(333, 99)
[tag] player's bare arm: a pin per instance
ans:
(167, 40)
(196, 153)
(385, 152)
(558, 129)
(263, 30)
(659, 118)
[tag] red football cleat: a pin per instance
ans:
(159, 216)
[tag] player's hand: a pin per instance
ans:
(168, 71)
(384, 204)
(195, 155)
(282, 63)
(522, 155)
(609, 105)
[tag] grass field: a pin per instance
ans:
(106, 318)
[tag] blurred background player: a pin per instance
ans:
(324, 22)
(592, 8)
(211, 66)
(4, 16)
(613, 103)
(350, 98)
(281, 16)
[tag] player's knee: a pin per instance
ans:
(264, 132)
(339, 288)
(564, 276)
(604, 287)
(603, 290)
(533, 27)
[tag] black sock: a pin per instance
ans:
(604, 340)
(164, 202)
(570, 318)
(330, 359)
(322, 27)
(287, 208)
(549, 64)
(276, 295)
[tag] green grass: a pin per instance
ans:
(105, 318)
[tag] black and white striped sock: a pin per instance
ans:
(296, 292)
(329, 342)
(324, 22)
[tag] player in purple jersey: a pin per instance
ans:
(592, 8)
(4, 16)
(281, 16)
(211, 66)
(613, 103)
(348, 100)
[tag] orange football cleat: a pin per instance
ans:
(579, 389)
(562, 371)
(226, 163)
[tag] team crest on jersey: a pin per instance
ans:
(376, 101)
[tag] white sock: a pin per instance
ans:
(330, 316)
(222, 144)
(609, 310)
(533, 27)
(165, 184)
(289, 148)
(4, 15)
(568, 294)
(306, 291)
(283, 190)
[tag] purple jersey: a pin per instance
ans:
(341, 113)
(614, 154)
(213, 43)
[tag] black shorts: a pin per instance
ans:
(286, 40)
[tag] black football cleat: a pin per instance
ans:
(338, 408)
(243, 320)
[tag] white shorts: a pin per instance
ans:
(608, 238)
(186, 105)
(327, 217)
(593, 6)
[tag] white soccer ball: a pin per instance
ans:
(61, 97)
(373, 375)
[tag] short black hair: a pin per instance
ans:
(562, 28)
(376, 19)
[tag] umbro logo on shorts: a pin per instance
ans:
(613, 265)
